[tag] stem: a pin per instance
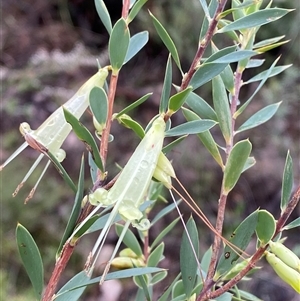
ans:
(203, 45)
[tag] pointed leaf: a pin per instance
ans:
(267, 42)
(166, 90)
(166, 149)
(259, 117)
(221, 106)
(201, 107)
(129, 240)
(103, 14)
(156, 255)
(99, 104)
(205, 137)
(240, 238)
(287, 182)
(294, 224)
(31, 259)
(118, 44)
(177, 100)
(266, 226)
(191, 127)
(165, 295)
(158, 277)
(235, 164)
(75, 210)
(165, 37)
(136, 43)
(213, 4)
(255, 19)
(188, 262)
(235, 56)
(132, 124)
(83, 134)
(135, 9)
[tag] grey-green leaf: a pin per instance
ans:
(31, 259)
(118, 44)
(156, 255)
(191, 127)
(235, 164)
(177, 100)
(166, 90)
(135, 9)
(294, 224)
(188, 262)
(287, 182)
(103, 14)
(136, 43)
(255, 19)
(99, 104)
(240, 238)
(221, 106)
(259, 117)
(165, 37)
(266, 226)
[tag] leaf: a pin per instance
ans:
(75, 210)
(156, 255)
(165, 295)
(267, 42)
(287, 182)
(259, 117)
(205, 73)
(103, 14)
(31, 259)
(134, 105)
(205, 137)
(158, 277)
(294, 224)
(166, 90)
(240, 238)
(212, 9)
(235, 56)
(83, 134)
(255, 19)
(191, 127)
(188, 256)
(136, 43)
(118, 44)
(166, 149)
(201, 107)
(99, 104)
(235, 164)
(221, 106)
(135, 9)
(165, 37)
(133, 125)
(129, 240)
(254, 63)
(266, 226)
(177, 100)
(205, 261)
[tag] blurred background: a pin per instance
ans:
(49, 48)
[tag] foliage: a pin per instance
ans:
(129, 198)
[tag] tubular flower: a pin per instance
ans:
(50, 136)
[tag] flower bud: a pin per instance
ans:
(126, 263)
(164, 171)
(286, 273)
(285, 254)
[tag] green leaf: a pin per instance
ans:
(83, 134)
(62, 171)
(158, 277)
(166, 149)
(134, 105)
(205, 137)
(165, 37)
(135, 9)
(118, 44)
(64, 293)
(129, 240)
(247, 296)
(93, 168)
(228, 79)
(164, 232)
(254, 63)
(188, 262)
(165, 295)
(255, 19)
(204, 27)
(205, 73)
(267, 42)
(103, 14)
(156, 255)
(177, 100)
(142, 282)
(249, 163)
(75, 210)
(205, 261)
(294, 224)
(191, 127)
(99, 104)
(259, 117)
(201, 107)
(235, 56)
(224, 297)
(240, 238)
(220, 53)
(287, 182)
(266, 226)
(133, 125)
(136, 43)
(221, 106)
(166, 90)
(31, 259)
(235, 164)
